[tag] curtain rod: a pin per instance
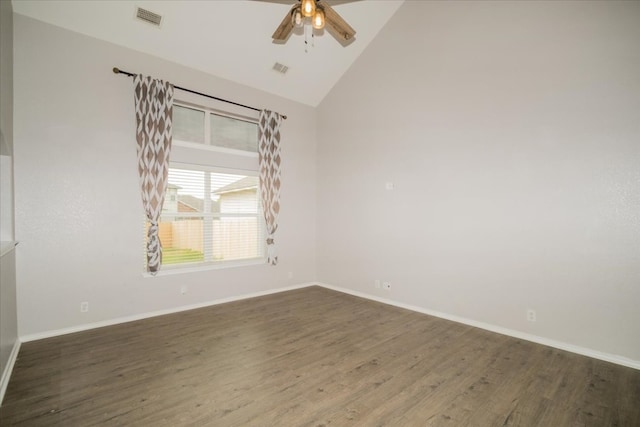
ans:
(116, 70)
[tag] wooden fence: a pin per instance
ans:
(232, 238)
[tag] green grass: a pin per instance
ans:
(179, 256)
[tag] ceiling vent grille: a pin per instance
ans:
(148, 16)
(281, 68)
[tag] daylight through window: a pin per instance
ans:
(212, 213)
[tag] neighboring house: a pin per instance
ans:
(235, 236)
(188, 203)
(171, 199)
(175, 202)
(239, 196)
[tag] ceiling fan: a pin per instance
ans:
(321, 15)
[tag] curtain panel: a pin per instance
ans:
(154, 110)
(269, 165)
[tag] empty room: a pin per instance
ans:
(320, 213)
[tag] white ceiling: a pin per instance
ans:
(227, 38)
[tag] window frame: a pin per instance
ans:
(209, 166)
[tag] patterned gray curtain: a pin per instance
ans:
(269, 163)
(154, 110)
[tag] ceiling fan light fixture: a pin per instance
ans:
(308, 7)
(318, 19)
(298, 20)
(317, 13)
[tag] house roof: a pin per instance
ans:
(196, 203)
(246, 183)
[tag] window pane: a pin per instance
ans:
(233, 133)
(235, 193)
(181, 240)
(209, 217)
(185, 192)
(237, 238)
(236, 235)
(188, 124)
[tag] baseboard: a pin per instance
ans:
(116, 321)
(8, 369)
(619, 360)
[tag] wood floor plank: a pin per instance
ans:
(310, 357)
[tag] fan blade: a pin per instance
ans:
(340, 29)
(286, 26)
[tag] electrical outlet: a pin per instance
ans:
(84, 307)
(376, 284)
(183, 289)
(386, 286)
(531, 315)
(290, 275)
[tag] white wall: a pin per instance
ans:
(511, 131)
(8, 316)
(78, 208)
(6, 122)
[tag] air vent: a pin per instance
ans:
(281, 68)
(148, 16)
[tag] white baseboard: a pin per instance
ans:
(116, 321)
(613, 358)
(620, 360)
(8, 369)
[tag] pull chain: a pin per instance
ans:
(306, 39)
(306, 43)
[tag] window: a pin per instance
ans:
(198, 126)
(188, 124)
(212, 213)
(232, 133)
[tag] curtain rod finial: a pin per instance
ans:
(115, 70)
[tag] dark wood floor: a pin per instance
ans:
(311, 357)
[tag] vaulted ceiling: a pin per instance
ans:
(227, 38)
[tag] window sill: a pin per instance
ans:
(171, 270)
